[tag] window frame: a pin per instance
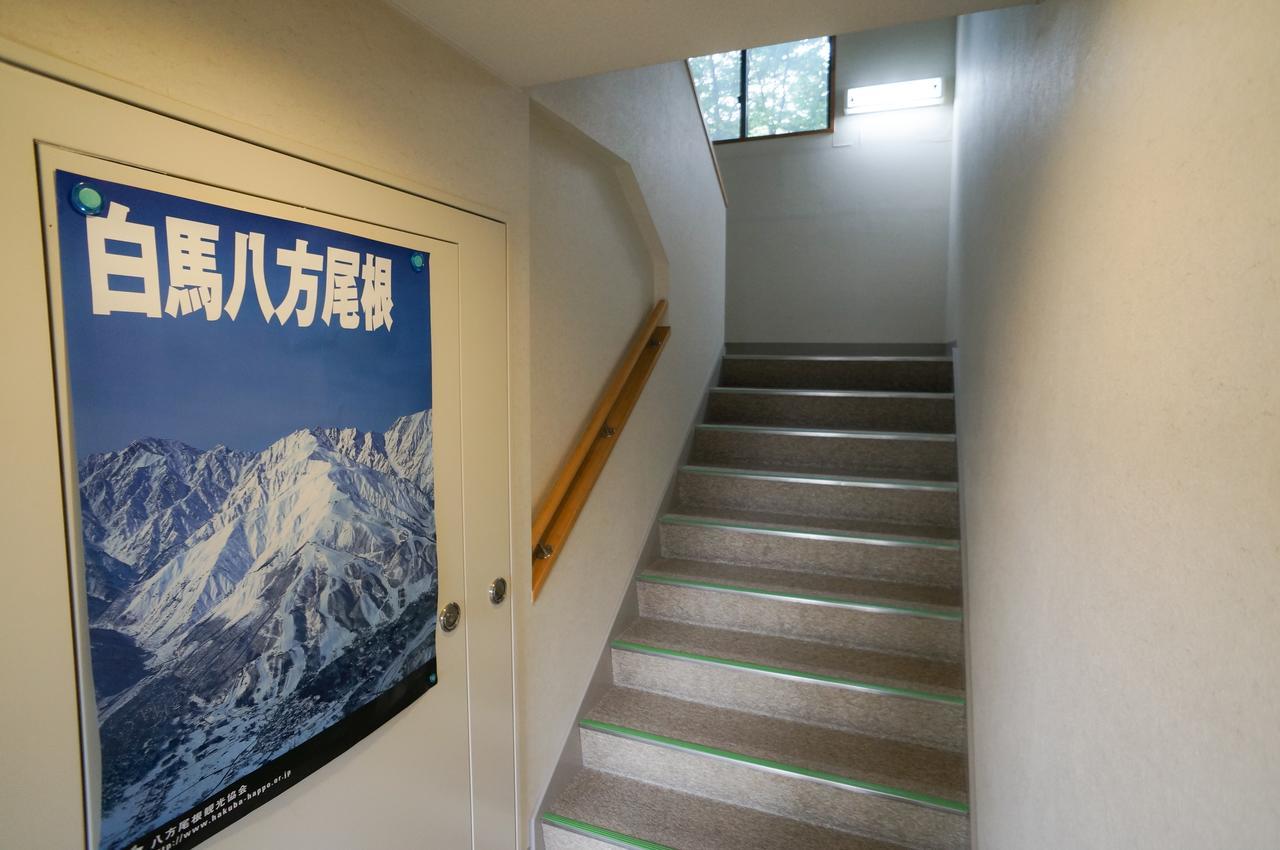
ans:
(742, 101)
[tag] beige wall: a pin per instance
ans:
(843, 237)
(357, 86)
(356, 81)
(593, 286)
(649, 118)
(1117, 309)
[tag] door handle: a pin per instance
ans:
(450, 615)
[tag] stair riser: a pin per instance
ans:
(901, 718)
(888, 632)
(801, 798)
(933, 460)
(557, 838)
(920, 565)
(937, 508)
(887, 375)
(872, 413)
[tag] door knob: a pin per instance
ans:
(498, 590)
(450, 615)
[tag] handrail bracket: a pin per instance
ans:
(565, 500)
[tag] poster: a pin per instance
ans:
(247, 406)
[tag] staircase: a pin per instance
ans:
(795, 677)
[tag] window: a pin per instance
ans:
(786, 89)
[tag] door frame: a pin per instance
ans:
(43, 785)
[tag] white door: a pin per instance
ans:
(440, 774)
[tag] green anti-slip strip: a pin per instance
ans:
(833, 393)
(872, 787)
(887, 690)
(827, 432)
(811, 533)
(858, 604)
(600, 832)
(825, 478)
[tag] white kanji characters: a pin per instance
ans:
(376, 297)
(104, 265)
(249, 246)
(194, 282)
(302, 267)
(340, 296)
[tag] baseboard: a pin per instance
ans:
(953, 349)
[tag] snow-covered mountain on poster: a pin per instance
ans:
(240, 603)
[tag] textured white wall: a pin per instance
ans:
(649, 118)
(1118, 306)
(592, 284)
(843, 237)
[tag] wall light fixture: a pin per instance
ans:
(904, 95)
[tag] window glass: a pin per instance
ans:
(788, 87)
(718, 80)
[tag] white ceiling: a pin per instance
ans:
(529, 42)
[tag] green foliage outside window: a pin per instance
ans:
(718, 80)
(788, 89)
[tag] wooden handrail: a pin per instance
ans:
(560, 508)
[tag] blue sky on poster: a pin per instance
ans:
(245, 382)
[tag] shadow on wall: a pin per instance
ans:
(597, 267)
(989, 148)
